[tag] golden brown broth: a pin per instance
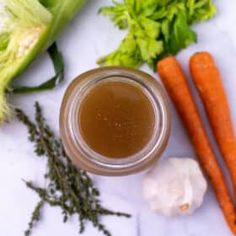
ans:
(116, 119)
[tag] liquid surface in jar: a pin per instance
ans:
(116, 119)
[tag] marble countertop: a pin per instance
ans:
(88, 37)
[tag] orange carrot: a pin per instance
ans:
(175, 82)
(207, 79)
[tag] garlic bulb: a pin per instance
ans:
(175, 187)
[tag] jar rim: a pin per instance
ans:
(94, 156)
(156, 97)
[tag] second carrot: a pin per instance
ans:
(207, 79)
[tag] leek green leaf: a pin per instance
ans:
(58, 64)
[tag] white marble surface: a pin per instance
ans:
(87, 38)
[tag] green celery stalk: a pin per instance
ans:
(28, 27)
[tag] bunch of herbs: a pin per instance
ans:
(68, 188)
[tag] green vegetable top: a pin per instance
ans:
(27, 27)
(156, 28)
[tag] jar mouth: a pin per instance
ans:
(158, 134)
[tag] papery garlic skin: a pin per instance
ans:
(176, 186)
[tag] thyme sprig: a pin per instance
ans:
(67, 187)
(36, 215)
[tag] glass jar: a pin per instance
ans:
(81, 154)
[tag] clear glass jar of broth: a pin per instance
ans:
(114, 121)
